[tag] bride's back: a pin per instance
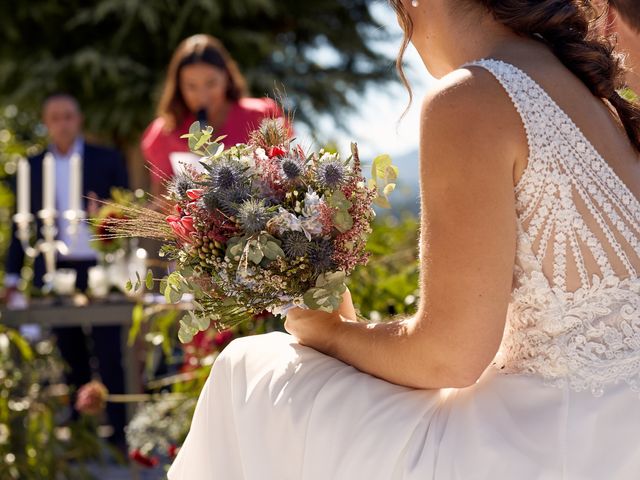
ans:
(603, 179)
(575, 312)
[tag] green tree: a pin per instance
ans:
(112, 54)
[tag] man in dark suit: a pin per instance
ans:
(103, 169)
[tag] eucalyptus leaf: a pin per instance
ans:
(343, 220)
(382, 202)
(254, 252)
(149, 280)
(194, 128)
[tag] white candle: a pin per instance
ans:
(24, 186)
(75, 183)
(49, 183)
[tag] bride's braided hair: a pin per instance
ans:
(565, 26)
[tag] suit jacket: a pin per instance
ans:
(103, 168)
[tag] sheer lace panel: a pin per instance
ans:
(574, 315)
(581, 218)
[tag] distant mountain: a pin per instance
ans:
(406, 196)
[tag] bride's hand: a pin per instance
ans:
(315, 328)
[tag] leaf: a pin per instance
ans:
(203, 139)
(338, 200)
(137, 316)
(21, 344)
(128, 286)
(272, 251)
(329, 278)
(382, 202)
(174, 287)
(254, 252)
(343, 221)
(199, 321)
(388, 189)
(391, 173)
(194, 128)
(379, 166)
(149, 280)
(138, 283)
(186, 331)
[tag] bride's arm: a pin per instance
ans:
(470, 139)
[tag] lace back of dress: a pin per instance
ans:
(582, 222)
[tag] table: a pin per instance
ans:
(62, 312)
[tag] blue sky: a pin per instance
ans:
(374, 125)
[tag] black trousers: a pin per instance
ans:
(104, 344)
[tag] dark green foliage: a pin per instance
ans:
(388, 284)
(113, 54)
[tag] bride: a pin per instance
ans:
(523, 361)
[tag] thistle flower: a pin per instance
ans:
(332, 173)
(210, 200)
(227, 201)
(253, 216)
(226, 175)
(180, 184)
(295, 244)
(321, 256)
(291, 168)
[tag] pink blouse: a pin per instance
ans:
(244, 116)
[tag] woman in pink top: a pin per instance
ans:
(203, 83)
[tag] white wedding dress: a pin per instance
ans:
(560, 401)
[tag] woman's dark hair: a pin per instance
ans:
(565, 25)
(193, 50)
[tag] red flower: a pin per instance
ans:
(172, 450)
(194, 193)
(143, 460)
(276, 152)
(182, 227)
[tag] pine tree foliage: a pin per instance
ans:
(113, 53)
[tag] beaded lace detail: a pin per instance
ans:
(574, 316)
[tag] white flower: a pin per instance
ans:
(311, 203)
(261, 154)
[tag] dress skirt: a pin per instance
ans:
(276, 410)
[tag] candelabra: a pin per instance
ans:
(48, 246)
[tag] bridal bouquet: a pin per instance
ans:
(263, 226)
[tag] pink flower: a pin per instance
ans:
(194, 193)
(224, 337)
(92, 398)
(182, 227)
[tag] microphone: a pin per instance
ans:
(202, 118)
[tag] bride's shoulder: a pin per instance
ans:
(470, 90)
(470, 106)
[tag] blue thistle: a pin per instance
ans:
(291, 169)
(180, 184)
(227, 201)
(332, 173)
(253, 215)
(321, 256)
(226, 175)
(295, 244)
